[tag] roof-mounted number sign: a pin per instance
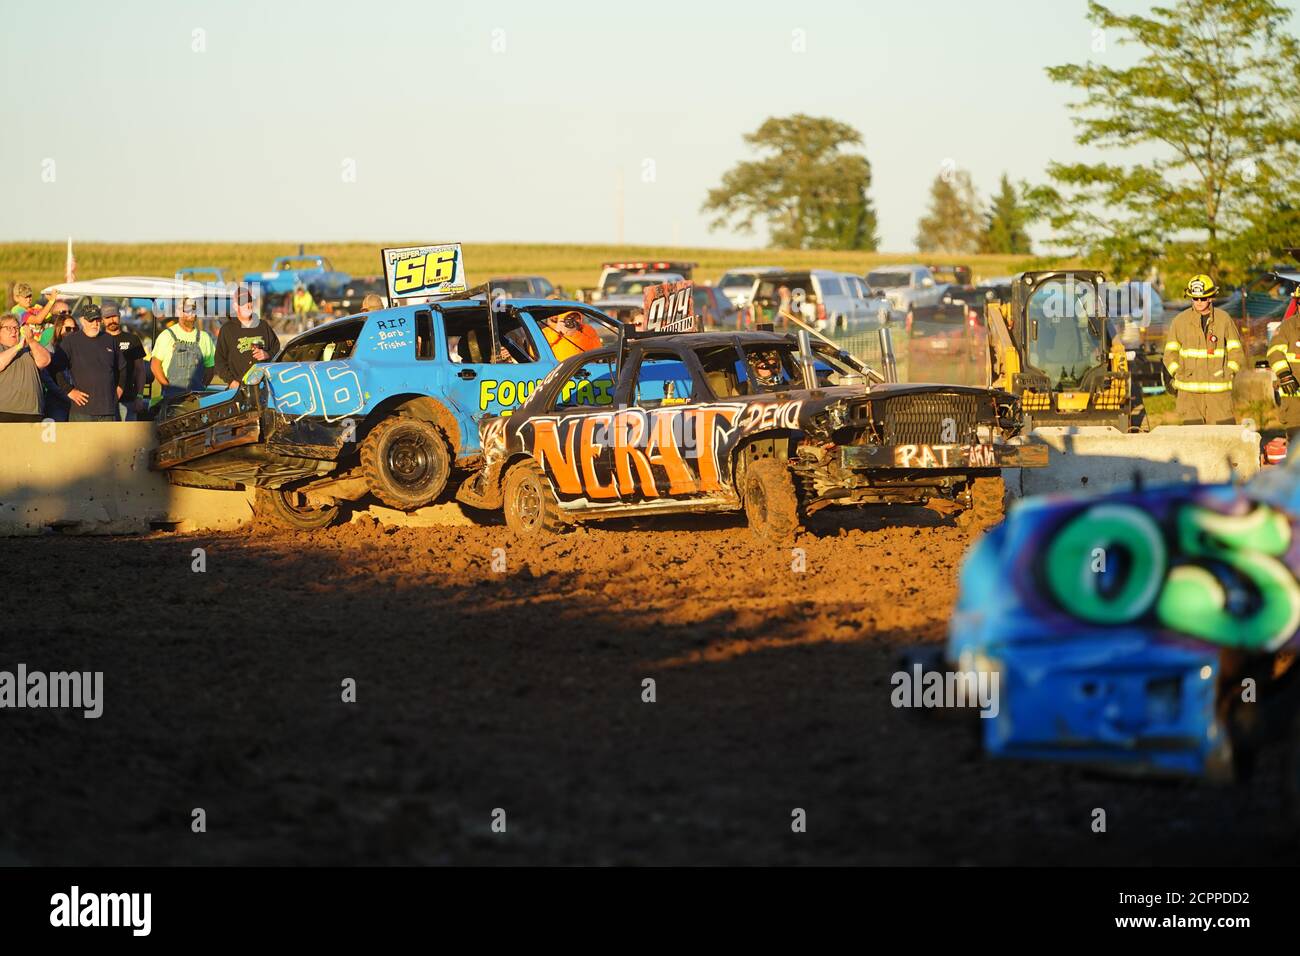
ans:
(424, 270)
(670, 307)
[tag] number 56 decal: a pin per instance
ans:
(331, 391)
(424, 270)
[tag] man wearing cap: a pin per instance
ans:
(244, 340)
(1203, 353)
(90, 359)
(184, 355)
(130, 352)
(21, 359)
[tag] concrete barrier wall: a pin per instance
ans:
(94, 478)
(1098, 457)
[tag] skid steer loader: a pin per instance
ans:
(1055, 349)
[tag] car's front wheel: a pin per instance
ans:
(771, 501)
(405, 462)
(278, 508)
(531, 509)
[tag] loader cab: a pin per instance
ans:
(1062, 358)
(1063, 333)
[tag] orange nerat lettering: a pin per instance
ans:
(665, 452)
(589, 450)
(560, 463)
(709, 424)
(629, 435)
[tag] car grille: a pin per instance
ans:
(929, 419)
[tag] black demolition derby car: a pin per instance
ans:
(757, 421)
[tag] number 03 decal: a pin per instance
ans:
(1110, 565)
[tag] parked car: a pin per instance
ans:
(355, 292)
(948, 274)
(387, 403)
(521, 287)
(636, 284)
(611, 272)
(218, 289)
(1258, 307)
(715, 309)
(314, 272)
(738, 284)
(830, 302)
(904, 286)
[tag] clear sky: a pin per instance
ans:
(500, 121)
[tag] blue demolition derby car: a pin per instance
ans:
(385, 403)
(1149, 632)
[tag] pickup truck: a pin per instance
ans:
(385, 403)
(314, 272)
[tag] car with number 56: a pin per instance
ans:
(384, 404)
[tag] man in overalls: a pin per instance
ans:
(1203, 353)
(183, 356)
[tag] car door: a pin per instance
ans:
(572, 438)
(666, 387)
(481, 384)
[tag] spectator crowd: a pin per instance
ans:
(91, 367)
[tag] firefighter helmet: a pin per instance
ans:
(1201, 287)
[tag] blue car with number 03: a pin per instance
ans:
(1150, 632)
(386, 403)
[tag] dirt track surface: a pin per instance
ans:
(522, 690)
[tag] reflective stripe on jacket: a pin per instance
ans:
(1203, 360)
(1286, 340)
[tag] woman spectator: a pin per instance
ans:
(57, 403)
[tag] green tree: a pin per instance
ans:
(1210, 107)
(809, 190)
(1005, 222)
(953, 222)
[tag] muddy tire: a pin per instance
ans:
(405, 462)
(771, 502)
(987, 507)
(528, 501)
(274, 508)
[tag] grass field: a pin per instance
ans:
(41, 263)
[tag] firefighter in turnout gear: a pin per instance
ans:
(1203, 353)
(1284, 360)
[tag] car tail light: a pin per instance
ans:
(970, 318)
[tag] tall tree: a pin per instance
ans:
(953, 222)
(1005, 222)
(1211, 109)
(809, 189)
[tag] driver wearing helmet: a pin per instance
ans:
(769, 375)
(1202, 354)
